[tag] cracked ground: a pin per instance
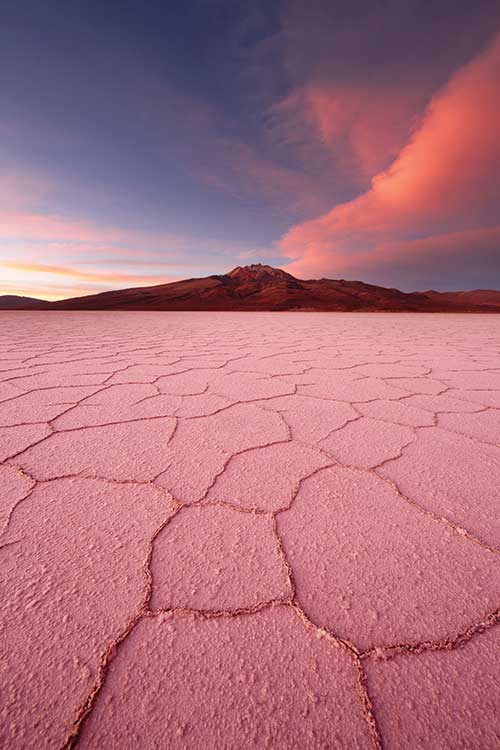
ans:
(249, 530)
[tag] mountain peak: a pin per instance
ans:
(262, 287)
(259, 272)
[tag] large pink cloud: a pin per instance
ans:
(360, 127)
(444, 184)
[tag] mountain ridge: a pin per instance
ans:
(259, 287)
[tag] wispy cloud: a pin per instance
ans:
(37, 246)
(108, 277)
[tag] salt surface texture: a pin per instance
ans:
(249, 530)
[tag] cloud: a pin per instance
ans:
(109, 277)
(357, 129)
(46, 291)
(26, 224)
(26, 218)
(444, 182)
(16, 188)
(249, 174)
(31, 226)
(470, 256)
(39, 246)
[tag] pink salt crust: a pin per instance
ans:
(249, 531)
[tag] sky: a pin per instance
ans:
(142, 143)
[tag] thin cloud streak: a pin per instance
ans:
(101, 276)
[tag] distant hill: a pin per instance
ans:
(15, 302)
(474, 297)
(261, 287)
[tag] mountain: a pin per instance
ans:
(16, 302)
(261, 287)
(473, 297)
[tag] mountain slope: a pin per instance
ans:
(16, 302)
(261, 287)
(473, 297)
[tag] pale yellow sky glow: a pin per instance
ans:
(45, 281)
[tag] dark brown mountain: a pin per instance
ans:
(15, 302)
(260, 287)
(473, 297)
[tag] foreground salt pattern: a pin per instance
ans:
(250, 530)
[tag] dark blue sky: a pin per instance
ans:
(148, 141)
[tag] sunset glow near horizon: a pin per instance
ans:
(141, 144)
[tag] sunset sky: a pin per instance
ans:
(147, 142)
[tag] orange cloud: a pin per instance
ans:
(46, 292)
(361, 127)
(444, 182)
(102, 276)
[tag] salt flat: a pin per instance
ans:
(250, 530)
